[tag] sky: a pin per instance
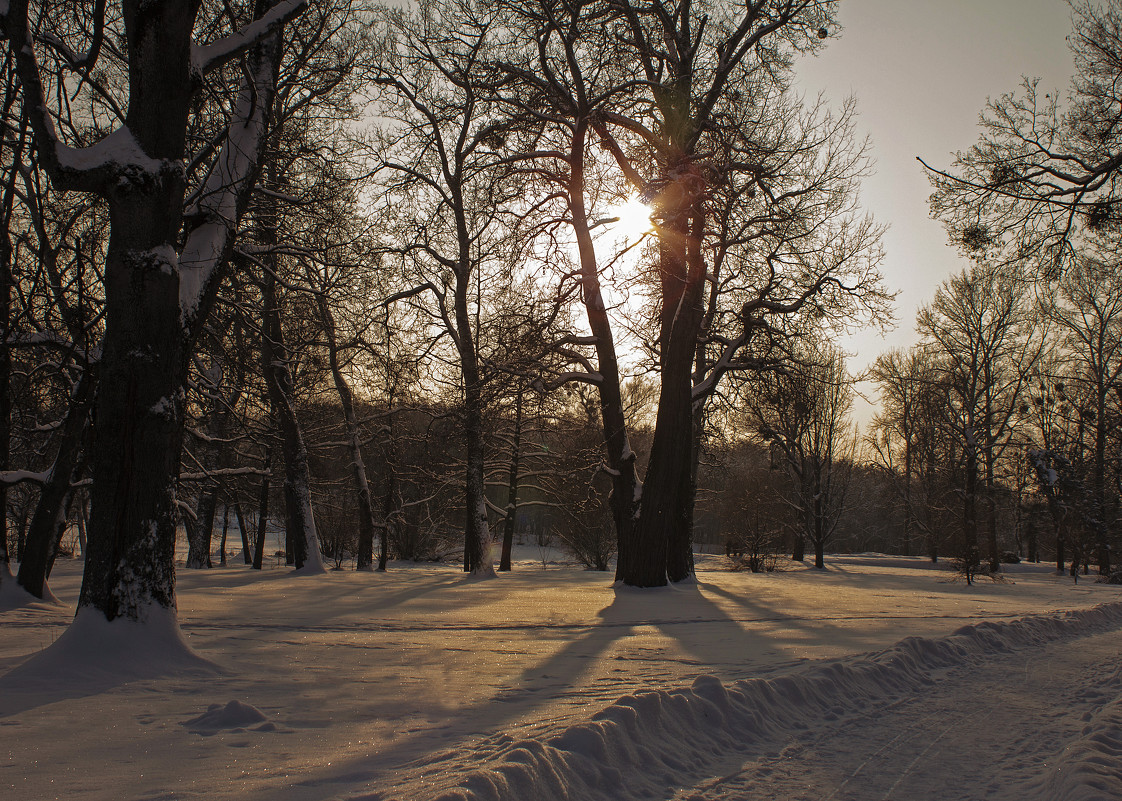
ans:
(921, 71)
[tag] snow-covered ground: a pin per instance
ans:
(880, 678)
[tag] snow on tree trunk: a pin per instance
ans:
(155, 297)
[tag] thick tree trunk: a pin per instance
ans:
(665, 549)
(477, 532)
(49, 520)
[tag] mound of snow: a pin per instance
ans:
(13, 596)
(234, 716)
(95, 654)
(645, 743)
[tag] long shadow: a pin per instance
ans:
(701, 628)
(564, 669)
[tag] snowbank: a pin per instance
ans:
(644, 745)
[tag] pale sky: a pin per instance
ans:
(921, 71)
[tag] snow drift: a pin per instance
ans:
(645, 745)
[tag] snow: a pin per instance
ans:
(880, 677)
(119, 149)
(16, 476)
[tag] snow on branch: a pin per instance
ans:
(225, 192)
(224, 472)
(10, 477)
(49, 339)
(205, 58)
(595, 379)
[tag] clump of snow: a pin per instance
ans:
(234, 716)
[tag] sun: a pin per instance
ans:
(633, 219)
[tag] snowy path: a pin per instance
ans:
(977, 733)
(1026, 709)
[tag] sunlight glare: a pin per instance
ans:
(634, 219)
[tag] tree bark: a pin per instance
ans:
(663, 536)
(247, 552)
(130, 567)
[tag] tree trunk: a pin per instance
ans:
(247, 553)
(201, 533)
(49, 520)
(225, 528)
(366, 526)
(6, 204)
(83, 515)
(262, 516)
(663, 538)
(626, 488)
(300, 525)
(512, 485)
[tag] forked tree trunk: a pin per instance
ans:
(663, 536)
(153, 298)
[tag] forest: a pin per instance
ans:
(420, 282)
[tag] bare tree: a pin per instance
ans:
(985, 337)
(1089, 314)
(803, 412)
